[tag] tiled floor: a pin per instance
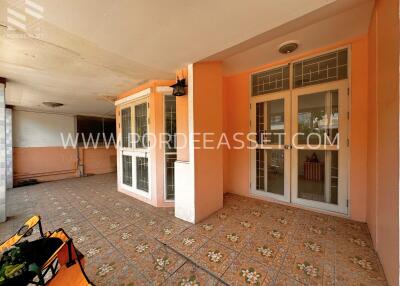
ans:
(127, 242)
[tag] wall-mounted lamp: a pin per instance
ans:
(179, 87)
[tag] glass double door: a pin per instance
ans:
(301, 151)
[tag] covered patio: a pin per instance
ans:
(223, 143)
(248, 241)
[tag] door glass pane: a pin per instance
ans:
(170, 175)
(126, 127)
(170, 145)
(318, 173)
(142, 175)
(141, 125)
(127, 170)
(270, 122)
(270, 171)
(170, 123)
(318, 118)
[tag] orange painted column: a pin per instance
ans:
(208, 120)
(383, 136)
(199, 178)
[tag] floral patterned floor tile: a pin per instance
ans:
(353, 265)
(123, 235)
(190, 275)
(139, 246)
(308, 269)
(215, 257)
(314, 246)
(266, 252)
(127, 276)
(245, 271)
(277, 235)
(366, 277)
(105, 267)
(188, 242)
(97, 249)
(127, 242)
(233, 237)
(168, 231)
(284, 280)
(158, 265)
(150, 223)
(166, 259)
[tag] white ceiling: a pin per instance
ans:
(88, 51)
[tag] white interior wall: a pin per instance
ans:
(34, 129)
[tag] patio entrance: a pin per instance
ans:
(301, 123)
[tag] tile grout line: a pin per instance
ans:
(193, 262)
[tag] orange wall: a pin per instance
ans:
(207, 118)
(182, 122)
(99, 161)
(236, 93)
(44, 163)
(383, 143)
(55, 163)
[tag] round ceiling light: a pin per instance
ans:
(288, 47)
(52, 104)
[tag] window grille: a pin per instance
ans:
(141, 125)
(126, 127)
(142, 174)
(127, 170)
(269, 81)
(324, 68)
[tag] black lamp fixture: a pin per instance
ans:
(179, 87)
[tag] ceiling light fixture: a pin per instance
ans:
(52, 104)
(288, 47)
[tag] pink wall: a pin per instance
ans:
(207, 117)
(236, 89)
(383, 143)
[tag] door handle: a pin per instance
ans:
(287, 147)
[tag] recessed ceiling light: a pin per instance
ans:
(288, 47)
(52, 104)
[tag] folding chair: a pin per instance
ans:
(24, 231)
(65, 264)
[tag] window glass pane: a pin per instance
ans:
(127, 170)
(328, 67)
(318, 175)
(141, 125)
(270, 81)
(142, 175)
(126, 127)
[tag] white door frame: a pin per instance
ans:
(342, 86)
(285, 95)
